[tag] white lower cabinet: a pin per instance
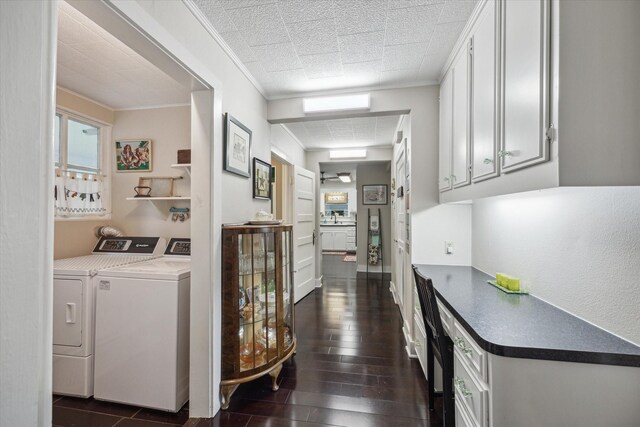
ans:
(339, 238)
(471, 392)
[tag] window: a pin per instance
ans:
(77, 144)
(79, 155)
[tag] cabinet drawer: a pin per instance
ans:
(471, 352)
(351, 232)
(470, 393)
(351, 239)
(446, 317)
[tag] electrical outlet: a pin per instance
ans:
(448, 247)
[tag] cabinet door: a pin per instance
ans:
(446, 116)
(484, 94)
(340, 240)
(526, 83)
(461, 102)
(327, 240)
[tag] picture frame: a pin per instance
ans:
(134, 155)
(237, 147)
(261, 179)
(376, 194)
(340, 197)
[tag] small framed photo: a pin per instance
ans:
(237, 147)
(374, 194)
(261, 179)
(134, 155)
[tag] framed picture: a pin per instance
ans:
(261, 179)
(237, 147)
(133, 155)
(336, 197)
(374, 194)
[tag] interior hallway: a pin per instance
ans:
(351, 369)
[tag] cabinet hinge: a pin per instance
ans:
(471, 47)
(550, 133)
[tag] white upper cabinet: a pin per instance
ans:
(446, 121)
(525, 80)
(484, 85)
(460, 173)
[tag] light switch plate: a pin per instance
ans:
(448, 247)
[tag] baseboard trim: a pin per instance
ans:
(319, 281)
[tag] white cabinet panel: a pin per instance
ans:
(484, 94)
(67, 312)
(460, 174)
(525, 83)
(327, 240)
(340, 240)
(446, 121)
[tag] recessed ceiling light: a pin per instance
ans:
(337, 103)
(347, 154)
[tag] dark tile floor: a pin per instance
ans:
(351, 369)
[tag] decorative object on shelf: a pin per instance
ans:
(142, 191)
(374, 194)
(158, 186)
(184, 156)
(133, 155)
(261, 179)
(340, 197)
(179, 214)
(257, 304)
(237, 147)
(508, 284)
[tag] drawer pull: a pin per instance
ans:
(459, 383)
(462, 345)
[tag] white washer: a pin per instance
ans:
(142, 331)
(74, 281)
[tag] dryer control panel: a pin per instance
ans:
(179, 246)
(130, 245)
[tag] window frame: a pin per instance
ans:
(104, 159)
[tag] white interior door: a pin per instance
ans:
(304, 252)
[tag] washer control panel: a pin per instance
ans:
(179, 246)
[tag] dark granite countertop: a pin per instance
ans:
(523, 326)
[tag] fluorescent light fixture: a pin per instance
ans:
(344, 176)
(337, 103)
(347, 154)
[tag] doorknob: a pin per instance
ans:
(313, 238)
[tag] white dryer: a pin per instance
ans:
(73, 307)
(142, 331)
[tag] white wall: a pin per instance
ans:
(283, 141)
(578, 248)
(27, 85)
(169, 130)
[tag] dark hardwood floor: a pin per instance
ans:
(351, 369)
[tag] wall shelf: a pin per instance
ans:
(185, 166)
(153, 199)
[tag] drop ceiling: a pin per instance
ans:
(346, 133)
(296, 46)
(94, 63)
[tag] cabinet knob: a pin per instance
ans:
(446, 178)
(487, 161)
(503, 153)
(459, 383)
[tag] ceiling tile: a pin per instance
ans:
(322, 65)
(359, 16)
(260, 25)
(305, 10)
(361, 47)
(399, 4)
(239, 46)
(445, 37)
(238, 4)
(403, 56)
(216, 14)
(314, 37)
(456, 11)
(365, 73)
(277, 57)
(398, 77)
(411, 25)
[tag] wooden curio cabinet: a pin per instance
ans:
(257, 304)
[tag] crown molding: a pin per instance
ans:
(204, 21)
(86, 98)
(292, 135)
